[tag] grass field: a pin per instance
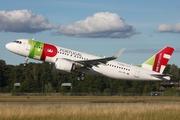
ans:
(88, 108)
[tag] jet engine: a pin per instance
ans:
(64, 65)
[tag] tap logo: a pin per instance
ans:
(161, 59)
(41, 50)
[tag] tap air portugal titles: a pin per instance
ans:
(67, 60)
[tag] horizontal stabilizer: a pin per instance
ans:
(162, 76)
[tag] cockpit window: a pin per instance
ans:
(19, 42)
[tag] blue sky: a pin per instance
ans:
(97, 27)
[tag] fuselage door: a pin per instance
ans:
(28, 47)
(137, 72)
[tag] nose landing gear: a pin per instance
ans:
(26, 60)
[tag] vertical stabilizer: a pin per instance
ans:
(159, 61)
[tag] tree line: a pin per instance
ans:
(39, 78)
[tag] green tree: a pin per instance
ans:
(34, 76)
(2, 70)
(174, 71)
(167, 69)
(107, 91)
(48, 88)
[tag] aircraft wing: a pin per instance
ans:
(95, 62)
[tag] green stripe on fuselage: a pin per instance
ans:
(36, 49)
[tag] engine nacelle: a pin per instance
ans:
(64, 65)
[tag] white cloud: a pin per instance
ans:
(100, 25)
(164, 28)
(168, 28)
(23, 21)
(177, 28)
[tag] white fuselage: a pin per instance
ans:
(112, 69)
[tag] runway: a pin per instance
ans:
(57, 103)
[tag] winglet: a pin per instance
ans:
(118, 53)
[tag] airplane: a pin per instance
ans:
(67, 60)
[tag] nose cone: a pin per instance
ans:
(9, 46)
(12, 47)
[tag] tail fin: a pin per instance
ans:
(159, 61)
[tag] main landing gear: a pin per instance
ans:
(81, 76)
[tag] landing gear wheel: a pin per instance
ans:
(81, 77)
(78, 78)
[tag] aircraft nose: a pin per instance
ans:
(11, 47)
(8, 46)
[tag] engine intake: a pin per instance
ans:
(64, 65)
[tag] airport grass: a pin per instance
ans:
(56, 107)
(90, 111)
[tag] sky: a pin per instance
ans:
(99, 27)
